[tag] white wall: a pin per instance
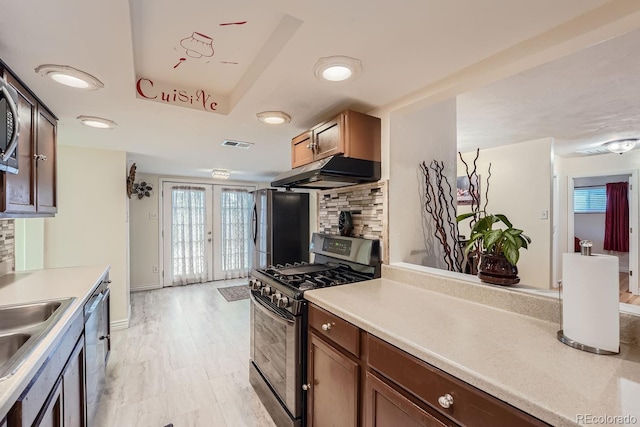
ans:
(590, 226)
(90, 227)
(520, 188)
(418, 134)
(143, 241)
(29, 243)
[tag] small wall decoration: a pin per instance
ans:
(142, 189)
(467, 189)
(130, 178)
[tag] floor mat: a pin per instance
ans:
(235, 293)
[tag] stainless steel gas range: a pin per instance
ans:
(278, 349)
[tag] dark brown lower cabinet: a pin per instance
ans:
(51, 415)
(386, 407)
(332, 399)
(55, 396)
(355, 378)
(73, 388)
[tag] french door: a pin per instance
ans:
(187, 233)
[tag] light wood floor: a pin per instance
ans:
(184, 360)
(625, 295)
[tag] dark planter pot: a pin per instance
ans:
(495, 269)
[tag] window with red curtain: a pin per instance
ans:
(616, 229)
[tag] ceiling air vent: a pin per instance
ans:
(236, 144)
(592, 151)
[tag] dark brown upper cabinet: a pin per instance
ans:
(32, 191)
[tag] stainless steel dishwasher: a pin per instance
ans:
(97, 345)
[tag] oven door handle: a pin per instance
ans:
(269, 312)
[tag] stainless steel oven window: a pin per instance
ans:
(275, 349)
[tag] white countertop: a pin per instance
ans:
(513, 357)
(41, 285)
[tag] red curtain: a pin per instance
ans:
(616, 229)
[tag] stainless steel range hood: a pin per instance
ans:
(331, 172)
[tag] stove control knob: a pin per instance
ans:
(266, 291)
(284, 302)
(255, 284)
(276, 297)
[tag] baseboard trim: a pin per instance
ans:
(120, 324)
(146, 288)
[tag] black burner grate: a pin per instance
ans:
(304, 276)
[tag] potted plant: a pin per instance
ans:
(499, 248)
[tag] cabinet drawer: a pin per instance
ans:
(470, 406)
(335, 329)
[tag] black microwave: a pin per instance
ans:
(9, 128)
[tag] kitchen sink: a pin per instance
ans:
(22, 327)
(10, 344)
(26, 316)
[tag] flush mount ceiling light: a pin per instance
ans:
(337, 68)
(273, 117)
(70, 76)
(97, 122)
(220, 174)
(621, 145)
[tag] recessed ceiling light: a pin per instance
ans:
(97, 122)
(70, 76)
(621, 145)
(273, 117)
(220, 174)
(337, 68)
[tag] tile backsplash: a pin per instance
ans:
(368, 206)
(7, 246)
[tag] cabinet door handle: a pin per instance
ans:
(306, 387)
(446, 401)
(40, 157)
(326, 326)
(105, 337)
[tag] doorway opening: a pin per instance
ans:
(204, 231)
(603, 209)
